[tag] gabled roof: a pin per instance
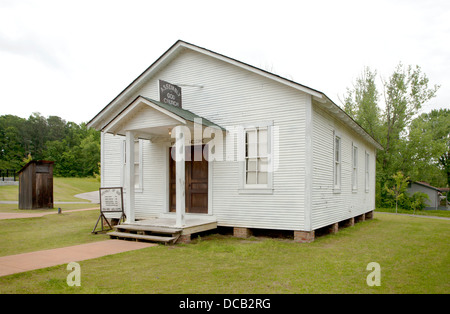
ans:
(427, 185)
(184, 114)
(99, 122)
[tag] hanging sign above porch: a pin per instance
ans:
(169, 93)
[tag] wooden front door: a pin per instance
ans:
(196, 181)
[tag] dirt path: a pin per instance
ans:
(47, 258)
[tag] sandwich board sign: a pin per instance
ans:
(111, 201)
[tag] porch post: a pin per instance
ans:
(180, 176)
(129, 177)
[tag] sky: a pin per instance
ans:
(71, 58)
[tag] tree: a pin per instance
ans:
(429, 147)
(74, 148)
(418, 201)
(397, 189)
(361, 102)
(405, 92)
(11, 142)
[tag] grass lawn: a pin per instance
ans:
(48, 232)
(413, 252)
(437, 213)
(64, 189)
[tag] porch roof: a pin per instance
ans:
(166, 115)
(183, 113)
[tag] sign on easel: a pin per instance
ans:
(111, 201)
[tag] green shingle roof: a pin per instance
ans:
(183, 113)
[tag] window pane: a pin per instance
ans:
(337, 149)
(251, 143)
(251, 164)
(251, 177)
(136, 152)
(262, 177)
(263, 164)
(335, 175)
(136, 181)
(262, 141)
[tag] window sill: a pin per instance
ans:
(337, 190)
(256, 191)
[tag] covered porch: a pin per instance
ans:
(175, 128)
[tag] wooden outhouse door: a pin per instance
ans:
(196, 181)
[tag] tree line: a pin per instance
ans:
(73, 147)
(416, 144)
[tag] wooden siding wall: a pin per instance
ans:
(327, 206)
(152, 200)
(231, 96)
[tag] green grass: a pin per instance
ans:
(64, 189)
(12, 208)
(9, 193)
(414, 255)
(437, 213)
(48, 232)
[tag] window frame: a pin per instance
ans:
(354, 167)
(367, 171)
(138, 184)
(337, 163)
(260, 188)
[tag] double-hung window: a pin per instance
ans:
(257, 157)
(337, 163)
(367, 171)
(138, 179)
(354, 168)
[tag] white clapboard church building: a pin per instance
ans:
(201, 140)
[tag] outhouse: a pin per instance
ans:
(36, 185)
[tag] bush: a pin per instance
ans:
(418, 200)
(414, 202)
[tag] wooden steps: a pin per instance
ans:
(166, 235)
(150, 238)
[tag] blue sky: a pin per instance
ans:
(71, 58)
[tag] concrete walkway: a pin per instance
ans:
(47, 258)
(93, 197)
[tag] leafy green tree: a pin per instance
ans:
(361, 102)
(428, 148)
(405, 92)
(418, 201)
(398, 188)
(11, 147)
(74, 148)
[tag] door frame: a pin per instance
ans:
(167, 181)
